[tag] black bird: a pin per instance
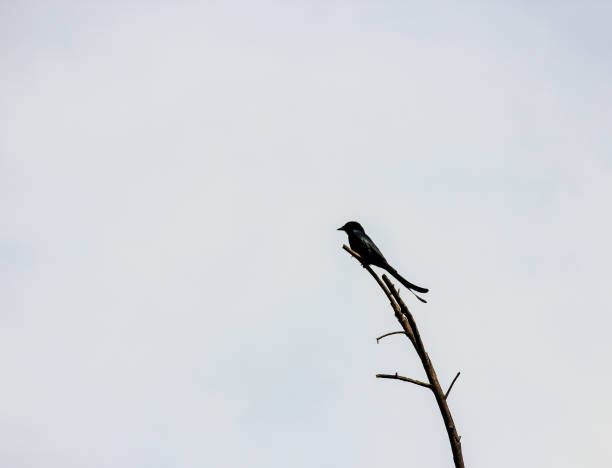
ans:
(361, 243)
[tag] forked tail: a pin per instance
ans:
(407, 284)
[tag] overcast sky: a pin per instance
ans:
(173, 291)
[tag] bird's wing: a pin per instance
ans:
(373, 254)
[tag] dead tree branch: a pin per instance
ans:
(394, 305)
(451, 385)
(405, 379)
(406, 320)
(402, 332)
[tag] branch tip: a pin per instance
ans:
(451, 385)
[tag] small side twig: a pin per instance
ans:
(451, 385)
(405, 379)
(401, 332)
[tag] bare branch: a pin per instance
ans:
(405, 379)
(395, 305)
(451, 385)
(367, 267)
(401, 332)
(406, 316)
(406, 320)
(451, 430)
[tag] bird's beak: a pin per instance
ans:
(341, 228)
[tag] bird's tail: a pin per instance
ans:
(406, 283)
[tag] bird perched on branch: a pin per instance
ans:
(361, 243)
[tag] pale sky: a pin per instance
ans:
(173, 292)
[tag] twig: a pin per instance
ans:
(405, 379)
(451, 385)
(401, 332)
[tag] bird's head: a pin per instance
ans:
(351, 226)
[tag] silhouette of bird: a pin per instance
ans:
(361, 243)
